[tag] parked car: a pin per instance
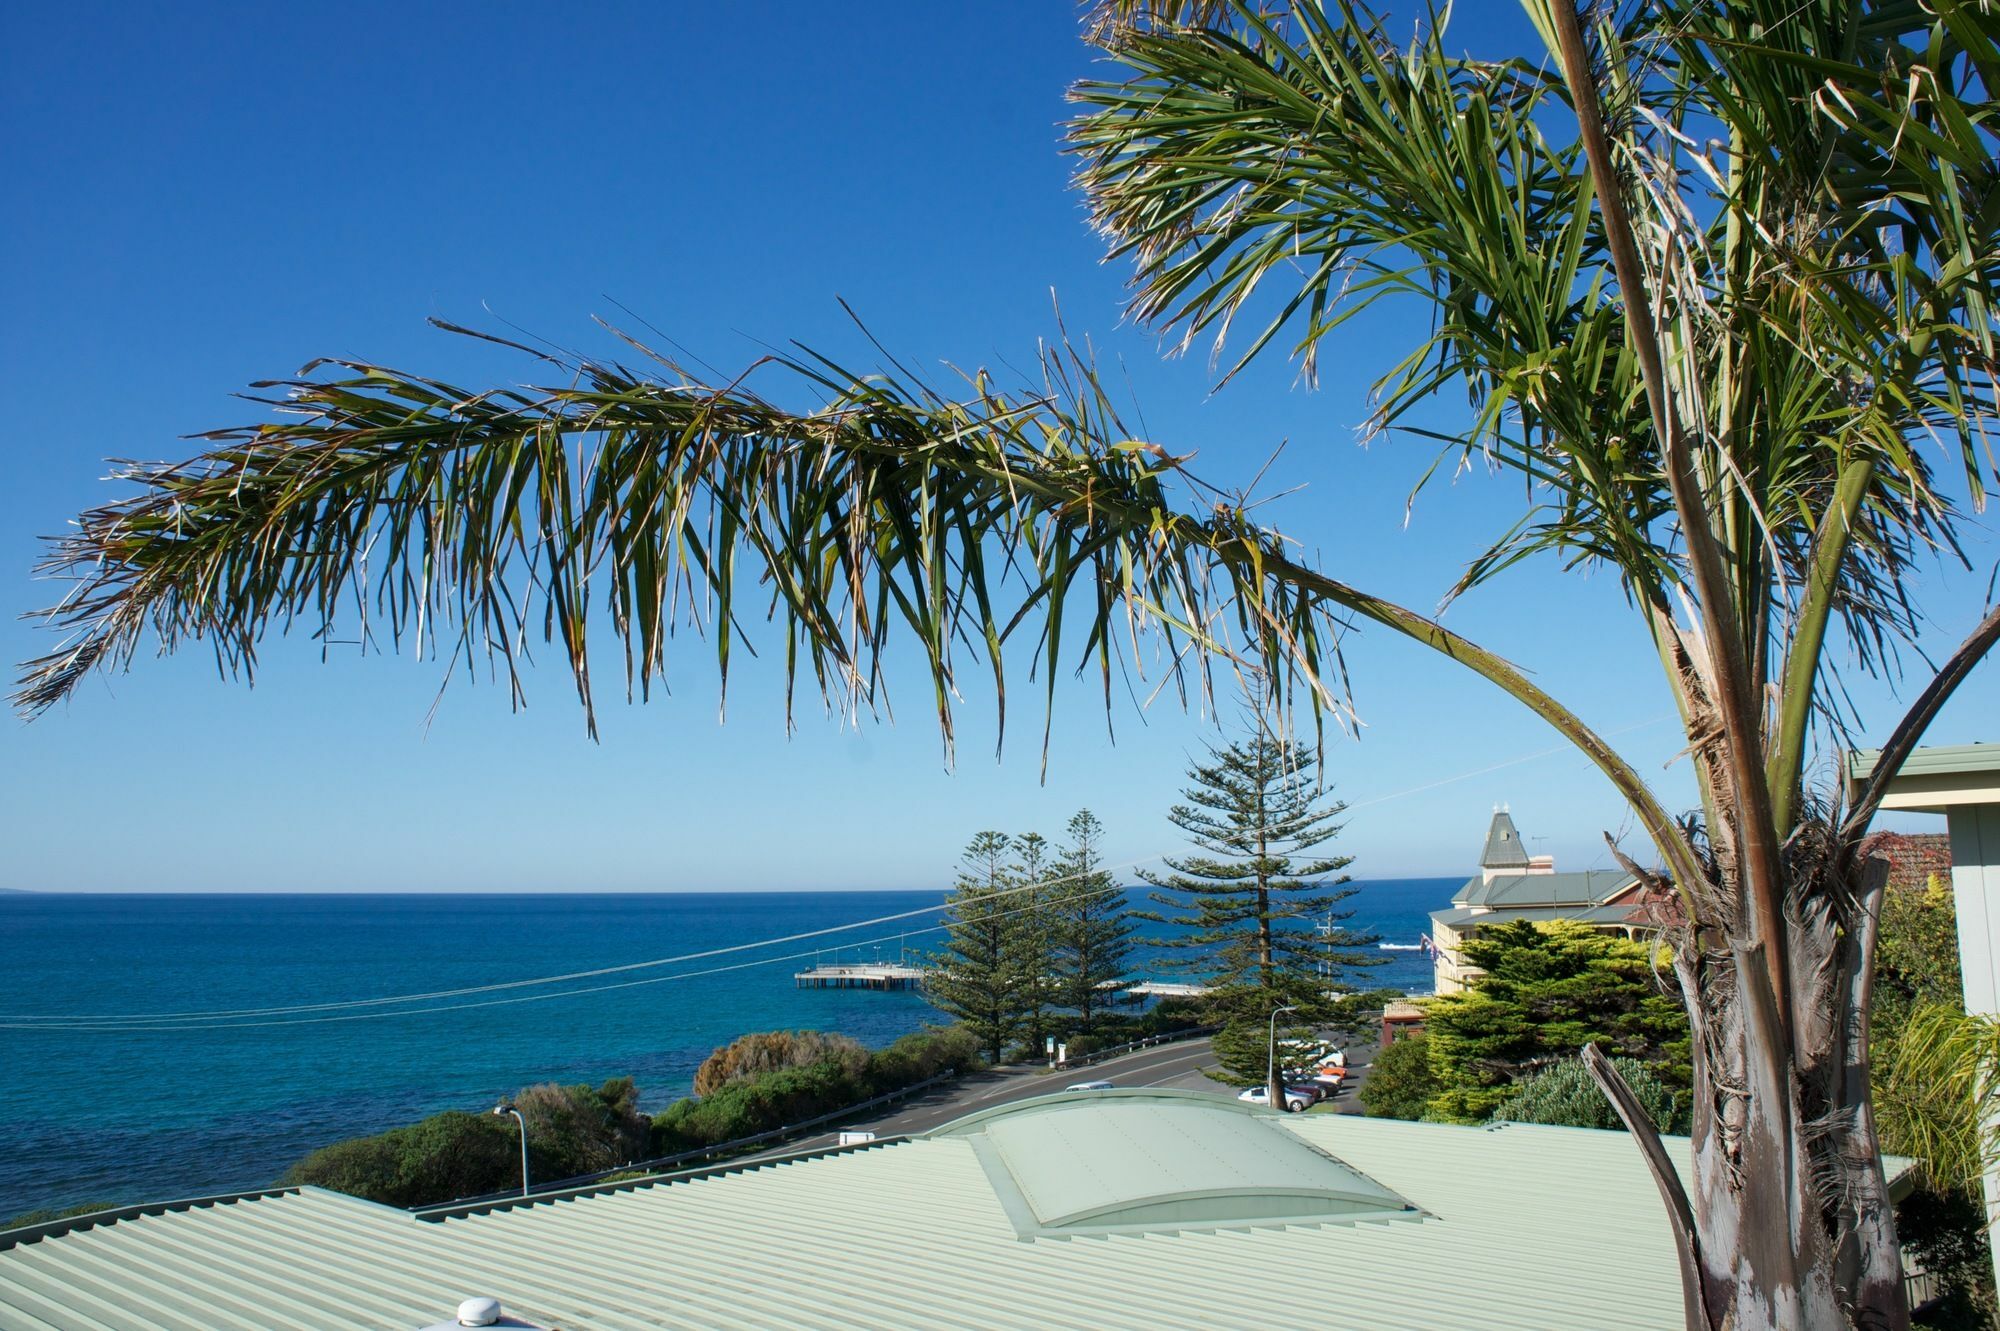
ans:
(1092, 1086)
(1296, 1101)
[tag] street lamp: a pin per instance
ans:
(1271, 1087)
(504, 1108)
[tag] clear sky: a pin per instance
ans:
(202, 195)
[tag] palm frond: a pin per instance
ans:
(419, 513)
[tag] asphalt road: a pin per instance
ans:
(1177, 1066)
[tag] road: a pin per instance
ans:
(1176, 1066)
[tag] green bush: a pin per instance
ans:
(1944, 1234)
(921, 1055)
(446, 1156)
(760, 1052)
(789, 1095)
(572, 1130)
(43, 1217)
(1548, 990)
(576, 1130)
(1564, 1095)
(1400, 1082)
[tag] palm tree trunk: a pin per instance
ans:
(1786, 1221)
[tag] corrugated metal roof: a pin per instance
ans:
(1524, 1229)
(1459, 919)
(1931, 760)
(1577, 888)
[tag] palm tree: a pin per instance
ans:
(1711, 274)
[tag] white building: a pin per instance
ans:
(1514, 885)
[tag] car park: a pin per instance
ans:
(1296, 1101)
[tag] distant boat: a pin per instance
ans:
(1399, 947)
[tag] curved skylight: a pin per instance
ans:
(1131, 1161)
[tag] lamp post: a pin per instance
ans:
(504, 1108)
(1272, 1088)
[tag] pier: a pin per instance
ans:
(891, 975)
(860, 975)
(1166, 989)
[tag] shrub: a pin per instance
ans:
(1400, 1082)
(1083, 1046)
(788, 1095)
(1563, 1094)
(446, 1156)
(759, 1104)
(576, 1130)
(760, 1052)
(43, 1217)
(921, 1055)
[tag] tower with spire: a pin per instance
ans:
(1504, 852)
(1515, 885)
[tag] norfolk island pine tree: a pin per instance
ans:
(1089, 932)
(977, 976)
(1710, 274)
(1248, 910)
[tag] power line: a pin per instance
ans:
(349, 1009)
(8, 1019)
(165, 1022)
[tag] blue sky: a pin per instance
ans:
(209, 194)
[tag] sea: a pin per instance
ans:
(120, 1083)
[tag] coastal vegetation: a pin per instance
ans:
(1712, 277)
(1037, 942)
(760, 1052)
(1550, 990)
(755, 1084)
(1088, 929)
(1253, 915)
(1564, 1094)
(46, 1215)
(1400, 1082)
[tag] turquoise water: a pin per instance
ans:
(131, 1115)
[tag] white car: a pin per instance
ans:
(1092, 1086)
(1296, 1102)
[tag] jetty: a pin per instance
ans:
(891, 975)
(860, 975)
(1166, 989)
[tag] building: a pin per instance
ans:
(1962, 782)
(1114, 1209)
(1514, 885)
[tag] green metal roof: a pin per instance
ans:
(1503, 844)
(1939, 760)
(1585, 887)
(1460, 919)
(1131, 1160)
(1521, 1229)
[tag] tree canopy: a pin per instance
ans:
(1548, 991)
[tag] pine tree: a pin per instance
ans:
(977, 978)
(1034, 867)
(1254, 917)
(1091, 929)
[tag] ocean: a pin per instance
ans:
(187, 1108)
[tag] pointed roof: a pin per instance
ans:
(1503, 844)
